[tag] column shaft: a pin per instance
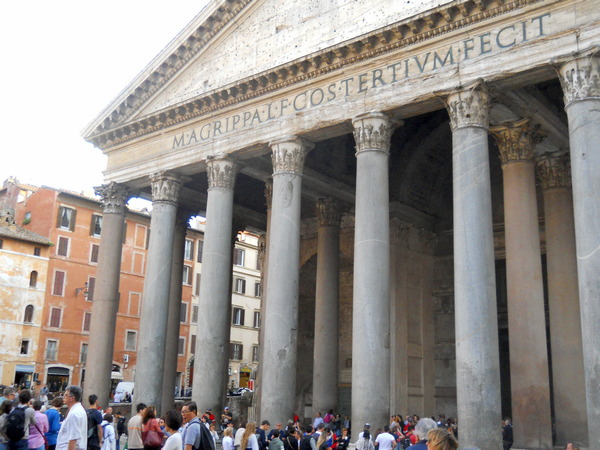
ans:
(278, 372)
(325, 371)
(155, 303)
(529, 377)
(214, 305)
(477, 354)
(174, 317)
(579, 79)
(371, 296)
(106, 295)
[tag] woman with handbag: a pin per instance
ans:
(152, 435)
(37, 439)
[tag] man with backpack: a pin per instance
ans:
(195, 436)
(18, 421)
(94, 424)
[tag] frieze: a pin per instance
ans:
(165, 187)
(221, 172)
(400, 35)
(114, 197)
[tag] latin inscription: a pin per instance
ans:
(396, 72)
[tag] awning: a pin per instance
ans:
(61, 371)
(116, 375)
(24, 368)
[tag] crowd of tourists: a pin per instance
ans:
(32, 423)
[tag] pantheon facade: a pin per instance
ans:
(426, 178)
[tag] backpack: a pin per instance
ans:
(15, 424)
(405, 443)
(91, 423)
(121, 425)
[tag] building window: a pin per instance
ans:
(256, 319)
(55, 315)
(28, 317)
(130, 340)
(58, 287)
(194, 313)
(236, 350)
(24, 347)
(94, 253)
(255, 353)
(197, 288)
(188, 252)
(181, 347)
(62, 249)
(90, 289)
(87, 318)
(37, 251)
(193, 344)
(83, 354)
(66, 218)
(238, 257)
(200, 248)
(27, 218)
(183, 312)
(238, 316)
(239, 285)
(187, 275)
(258, 290)
(96, 225)
(51, 349)
(33, 279)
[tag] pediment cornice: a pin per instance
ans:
(115, 128)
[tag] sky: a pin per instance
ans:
(63, 61)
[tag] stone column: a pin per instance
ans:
(278, 371)
(476, 323)
(371, 302)
(529, 379)
(155, 301)
(101, 343)
(563, 299)
(325, 371)
(581, 86)
(214, 305)
(174, 316)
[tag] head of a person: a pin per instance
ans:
(228, 431)
(93, 399)
(320, 427)
(109, 410)
(367, 427)
(118, 415)
(319, 414)
(250, 430)
(73, 394)
(386, 428)
(309, 429)
(161, 422)
(507, 421)
(9, 393)
(279, 425)
(24, 396)
(173, 420)
(37, 405)
(275, 434)
(57, 402)
(265, 424)
(149, 413)
(212, 427)
(140, 407)
(108, 417)
(189, 411)
(5, 407)
(424, 426)
(441, 439)
(344, 431)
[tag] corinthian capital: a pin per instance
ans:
(165, 187)
(554, 170)
(222, 171)
(289, 153)
(580, 77)
(372, 132)
(468, 108)
(329, 212)
(516, 141)
(114, 197)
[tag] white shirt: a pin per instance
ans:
(74, 427)
(238, 436)
(108, 434)
(227, 443)
(174, 442)
(385, 441)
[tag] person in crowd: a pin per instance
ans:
(423, 427)
(290, 440)
(54, 418)
(24, 398)
(322, 440)
(94, 420)
(274, 442)
(441, 439)
(262, 435)
(213, 432)
(227, 441)
(249, 441)
(364, 442)
(109, 437)
(73, 431)
(226, 418)
(278, 428)
(150, 425)
(38, 430)
(120, 427)
(134, 429)
(5, 409)
(318, 420)
(343, 440)
(385, 440)
(238, 436)
(507, 434)
(10, 394)
(173, 422)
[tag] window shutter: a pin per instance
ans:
(59, 279)
(231, 350)
(72, 222)
(58, 216)
(242, 314)
(91, 286)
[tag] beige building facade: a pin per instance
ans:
(413, 264)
